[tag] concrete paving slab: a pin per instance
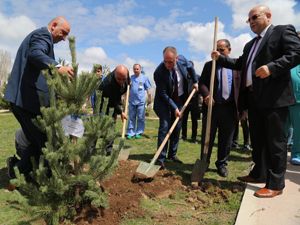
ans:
(280, 210)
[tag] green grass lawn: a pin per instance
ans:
(216, 212)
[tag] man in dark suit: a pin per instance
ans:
(27, 88)
(194, 107)
(113, 87)
(171, 92)
(266, 91)
(224, 111)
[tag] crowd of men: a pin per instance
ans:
(255, 88)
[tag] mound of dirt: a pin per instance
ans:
(125, 191)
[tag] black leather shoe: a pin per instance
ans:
(222, 171)
(193, 140)
(235, 145)
(11, 162)
(175, 159)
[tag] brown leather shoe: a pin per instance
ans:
(249, 179)
(267, 193)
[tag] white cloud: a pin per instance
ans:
(133, 34)
(282, 11)
(200, 40)
(93, 55)
(14, 30)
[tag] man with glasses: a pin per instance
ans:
(27, 88)
(266, 91)
(171, 92)
(224, 111)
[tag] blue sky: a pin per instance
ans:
(136, 31)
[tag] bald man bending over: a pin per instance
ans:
(113, 87)
(27, 88)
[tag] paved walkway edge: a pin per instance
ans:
(280, 210)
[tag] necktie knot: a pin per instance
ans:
(258, 37)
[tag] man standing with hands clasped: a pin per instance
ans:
(266, 91)
(171, 92)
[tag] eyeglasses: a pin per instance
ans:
(253, 18)
(169, 62)
(221, 49)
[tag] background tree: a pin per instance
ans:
(5, 63)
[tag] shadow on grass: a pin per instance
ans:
(141, 157)
(225, 184)
(236, 158)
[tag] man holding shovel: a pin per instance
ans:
(171, 92)
(113, 87)
(224, 111)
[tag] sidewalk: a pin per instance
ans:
(280, 210)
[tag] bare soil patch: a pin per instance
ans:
(125, 192)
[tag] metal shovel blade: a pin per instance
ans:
(199, 169)
(124, 154)
(147, 169)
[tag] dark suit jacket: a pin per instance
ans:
(280, 51)
(204, 82)
(165, 84)
(27, 87)
(113, 91)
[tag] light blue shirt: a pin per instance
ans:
(139, 85)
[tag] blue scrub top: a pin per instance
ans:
(295, 75)
(139, 84)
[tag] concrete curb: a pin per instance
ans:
(280, 210)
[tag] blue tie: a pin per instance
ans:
(175, 93)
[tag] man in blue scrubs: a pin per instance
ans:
(140, 84)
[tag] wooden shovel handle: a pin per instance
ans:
(211, 91)
(172, 128)
(126, 111)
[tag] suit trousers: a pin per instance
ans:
(269, 142)
(195, 114)
(295, 120)
(166, 120)
(224, 118)
(245, 128)
(34, 135)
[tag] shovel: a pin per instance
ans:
(200, 166)
(148, 170)
(124, 153)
